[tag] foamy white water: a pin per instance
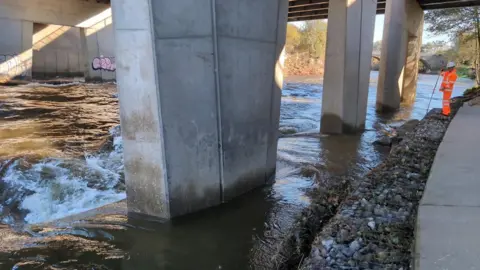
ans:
(61, 187)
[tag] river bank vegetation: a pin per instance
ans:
(305, 48)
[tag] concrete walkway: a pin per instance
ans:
(448, 224)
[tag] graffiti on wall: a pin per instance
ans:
(104, 63)
(12, 66)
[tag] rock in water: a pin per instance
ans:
(106, 145)
(384, 141)
(407, 127)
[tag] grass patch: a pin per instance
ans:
(465, 72)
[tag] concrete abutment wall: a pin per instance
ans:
(15, 49)
(56, 46)
(99, 50)
(57, 52)
(199, 85)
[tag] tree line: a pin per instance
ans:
(305, 48)
(463, 27)
(461, 24)
(310, 38)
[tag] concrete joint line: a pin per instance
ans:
(359, 63)
(218, 98)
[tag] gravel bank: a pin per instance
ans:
(373, 227)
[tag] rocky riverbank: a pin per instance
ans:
(369, 223)
(301, 64)
(374, 226)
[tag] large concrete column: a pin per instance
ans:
(414, 44)
(15, 49)
(347, 66)
(199, 99)
(402, 40)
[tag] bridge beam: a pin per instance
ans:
(402, 40)
(199, 87)
(347, 65)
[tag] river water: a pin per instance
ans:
(51, 134)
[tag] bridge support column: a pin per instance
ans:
(347, 66)
(199, 99)
(402, 40)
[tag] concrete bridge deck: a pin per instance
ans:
(448, 221)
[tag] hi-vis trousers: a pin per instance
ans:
(447, 93)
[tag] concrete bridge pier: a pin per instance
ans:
(347, 65)
(402, 40)
(199, 86)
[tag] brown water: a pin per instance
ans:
(55, 121)
(58, 126)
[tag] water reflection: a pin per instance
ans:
(205, 240)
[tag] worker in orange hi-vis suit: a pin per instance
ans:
(449, 79)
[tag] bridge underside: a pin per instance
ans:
(303, 10)
(440, 4)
